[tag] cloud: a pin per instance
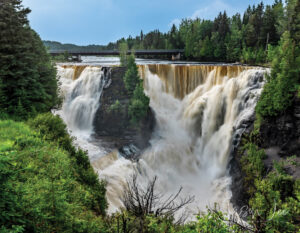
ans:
(176, 22)
(212, 10)
(209, 11)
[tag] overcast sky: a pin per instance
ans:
(101, 21)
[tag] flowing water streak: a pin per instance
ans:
(81, 88)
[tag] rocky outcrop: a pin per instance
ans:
(283, 131)
(280, 138)
(239, 197)
(112, 123)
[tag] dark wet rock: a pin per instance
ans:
(239, 197)
(283, 131)
(113, 126)
(130, 152)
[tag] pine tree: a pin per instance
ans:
(281, 84)
(27, 75)
(295, 23)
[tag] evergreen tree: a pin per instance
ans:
(131, 78)
(268, 31)
(281, 84)
(234, 39)
(123, 49)
(27, 77)
(295, 23)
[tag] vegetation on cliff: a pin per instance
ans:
(284, 79)
(273, 194)
(139, 103)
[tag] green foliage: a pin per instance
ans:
(28, 79)
(282, 83)
(57, 46)
(131, 78)
(139, 103)
(123, 49)
(53, 129)
(211, 222)
(116, 107)
(252, 166)
(276, 207)
(65, 57)
(126, 222)
(274, 196)
(272, 52)
(40, 191)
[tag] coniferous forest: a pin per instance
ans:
(48, 185)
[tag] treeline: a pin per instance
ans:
(57, 46)
(242, 38)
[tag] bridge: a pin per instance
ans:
(174, 53)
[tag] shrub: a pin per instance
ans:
(53, 129)
(252, 166)
(116, 107)
(39, 189)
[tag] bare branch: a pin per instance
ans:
(142, 201)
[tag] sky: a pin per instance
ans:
(86, 22)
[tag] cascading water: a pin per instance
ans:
(81, 88)
(198, 110)
(195, 133)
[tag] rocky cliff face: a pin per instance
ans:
(280, 138)
(112, 123)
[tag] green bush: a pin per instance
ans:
(273, 196)
(131, 78)
(53, 129)
(39, 187)
(116, 107)
(139, 104)
(252, 166)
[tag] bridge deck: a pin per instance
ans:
(115, 52)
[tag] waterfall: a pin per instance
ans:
(81, 88)
(199, 110)
(196, 127)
